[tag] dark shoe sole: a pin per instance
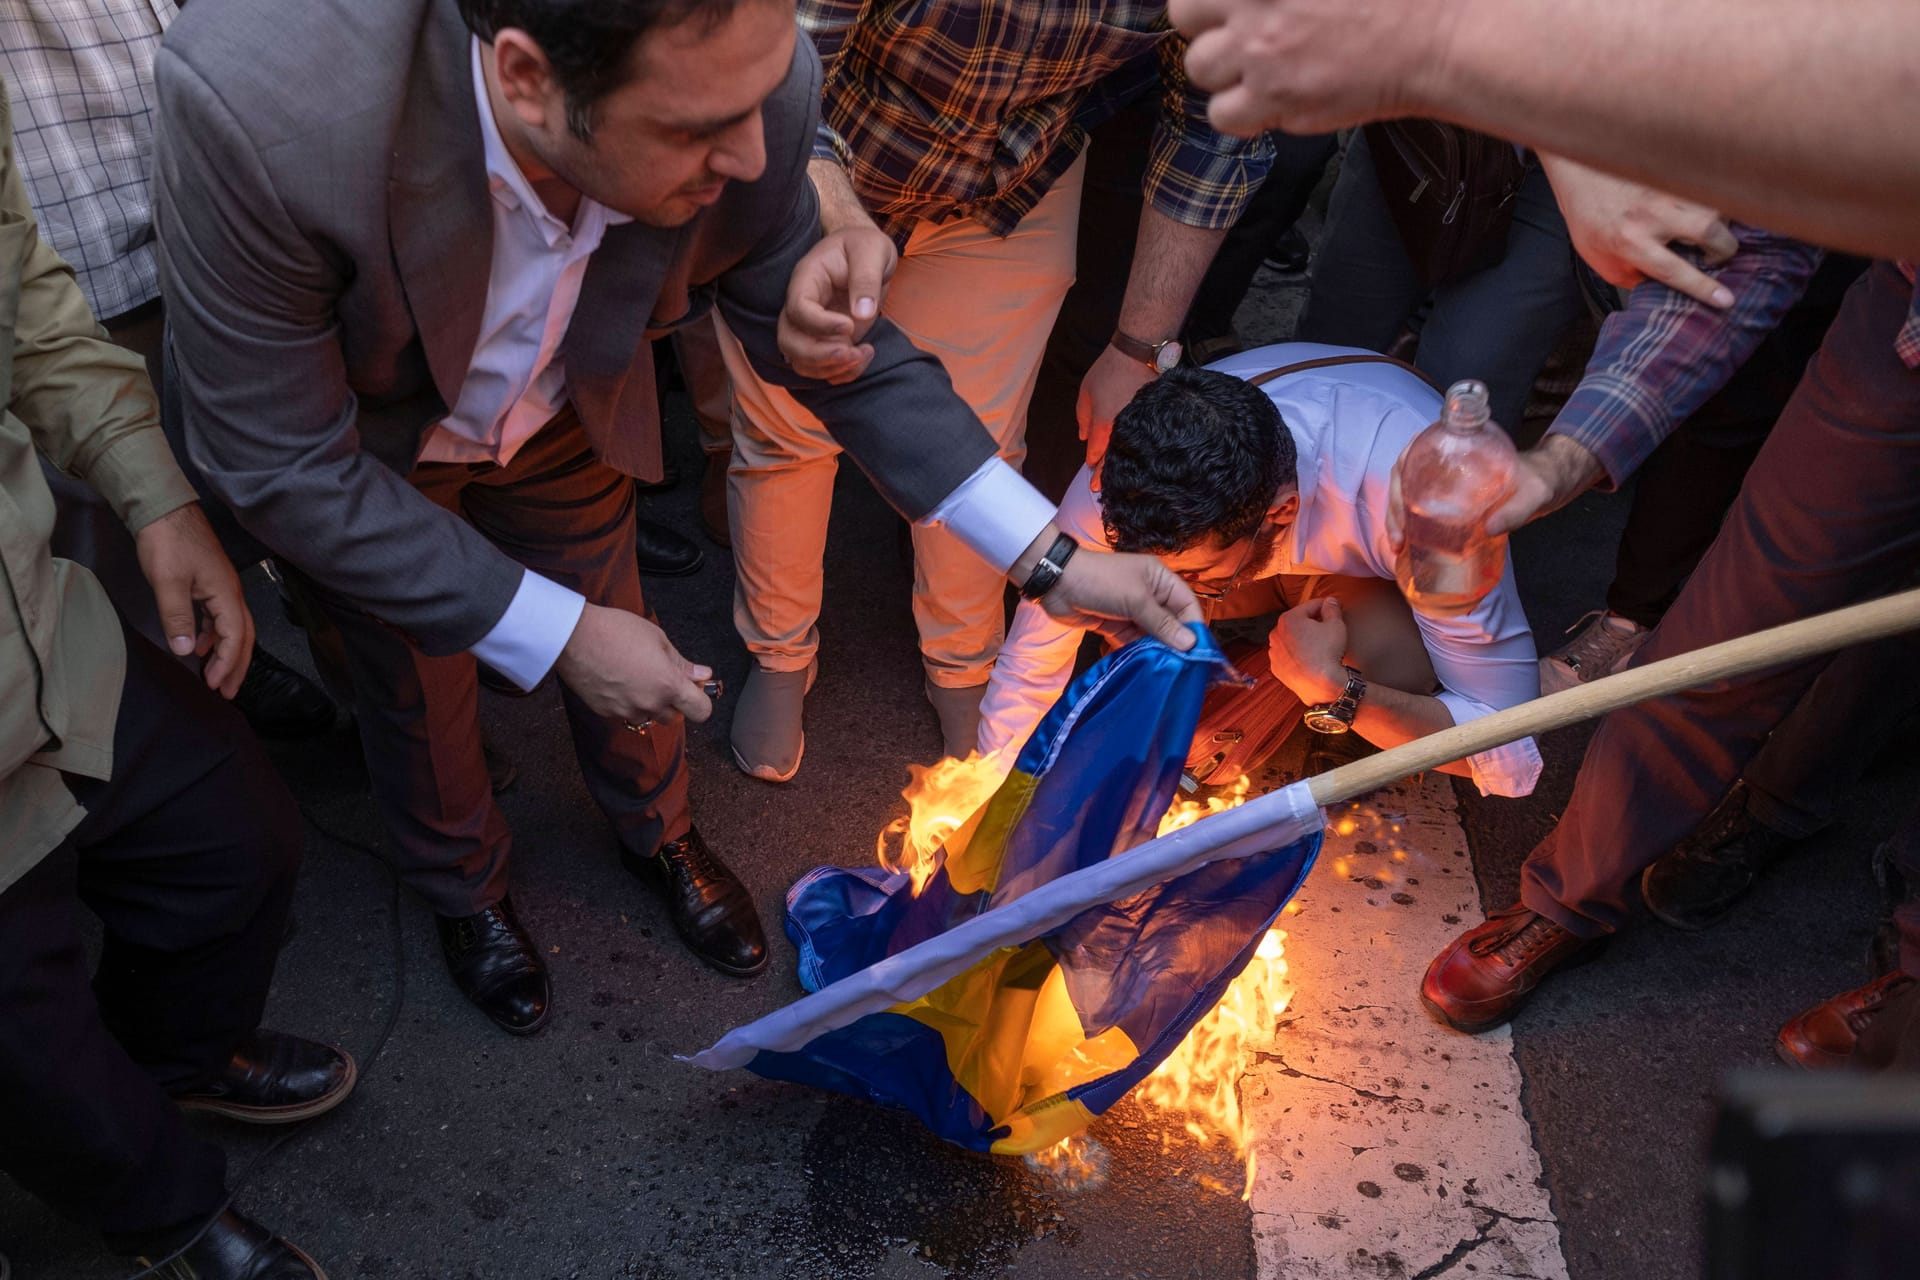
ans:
(530, 1029)
(1682, 923)
(292, 1114)
(1586, 955)
(730, 970)
(699, 563)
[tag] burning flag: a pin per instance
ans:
(1012, 976)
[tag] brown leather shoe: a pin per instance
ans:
(1483, 976)
(1825, 1036)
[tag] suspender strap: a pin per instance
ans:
(1327, 362)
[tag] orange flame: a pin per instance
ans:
(941, 799)
(1199, 1081)
(1075, 1163)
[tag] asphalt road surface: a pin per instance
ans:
(589, 1152)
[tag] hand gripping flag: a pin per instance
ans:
(1053, 959)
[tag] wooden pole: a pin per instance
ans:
(1774, 647)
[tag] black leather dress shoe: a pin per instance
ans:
(236, 1247)
(275, 1078)
(710, 909)
(496, 965)
(664, 553)
(279, 702)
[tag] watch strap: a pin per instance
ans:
(1147, 353)
(1046, 574)
(1347, 706)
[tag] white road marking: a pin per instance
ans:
(1390, 1146)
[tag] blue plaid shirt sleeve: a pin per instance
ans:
(1197, 175)
(1665, 355)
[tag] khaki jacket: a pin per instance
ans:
(87, 405)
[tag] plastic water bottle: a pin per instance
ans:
(1452, 477)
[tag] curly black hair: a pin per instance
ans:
(589, 43)
(1195, 454)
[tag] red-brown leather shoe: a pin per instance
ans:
(1824, 1037)
(1486, 973)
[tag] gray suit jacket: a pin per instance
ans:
(325, 236)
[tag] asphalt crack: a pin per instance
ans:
(1266, 1058)
(1492, 1218)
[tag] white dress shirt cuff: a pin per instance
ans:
(526, 642)
(995, 512)
(1511, 770)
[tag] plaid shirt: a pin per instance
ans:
(1907, 345)
(1665, 355)
(973, 108)
(81, 73)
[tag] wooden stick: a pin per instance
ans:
(1774, 647)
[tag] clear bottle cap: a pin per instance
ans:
(1466, 408)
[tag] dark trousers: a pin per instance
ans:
(1298, 163)
(188, 857)
(1802, 776)
(1829, 515)
(1498, 324)
(564, 514)
(1109, 227)
(1685, 488)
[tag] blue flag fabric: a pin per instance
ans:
(1032, 1042)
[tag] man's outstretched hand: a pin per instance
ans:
(1546, 478)
(1625, 231)
(1120, 596)
(624, 667)
(202, 610)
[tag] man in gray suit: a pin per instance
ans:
(414, 253)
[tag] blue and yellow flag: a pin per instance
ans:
(1031, 1042)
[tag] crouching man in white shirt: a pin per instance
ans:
(1263, 483)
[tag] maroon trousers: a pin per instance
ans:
(1829, 515)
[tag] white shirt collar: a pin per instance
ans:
(510, 187)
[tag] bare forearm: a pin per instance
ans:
(840, 206)
(1784, 113)
(1389, 717)
(1169, 261)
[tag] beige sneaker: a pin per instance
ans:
(959, 712)
(767, 735)
(1604, 644)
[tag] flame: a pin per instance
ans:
(941, 799)
(1184, 813)
(1075, 1163)
(1197, 1086)
(1200, 1080)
